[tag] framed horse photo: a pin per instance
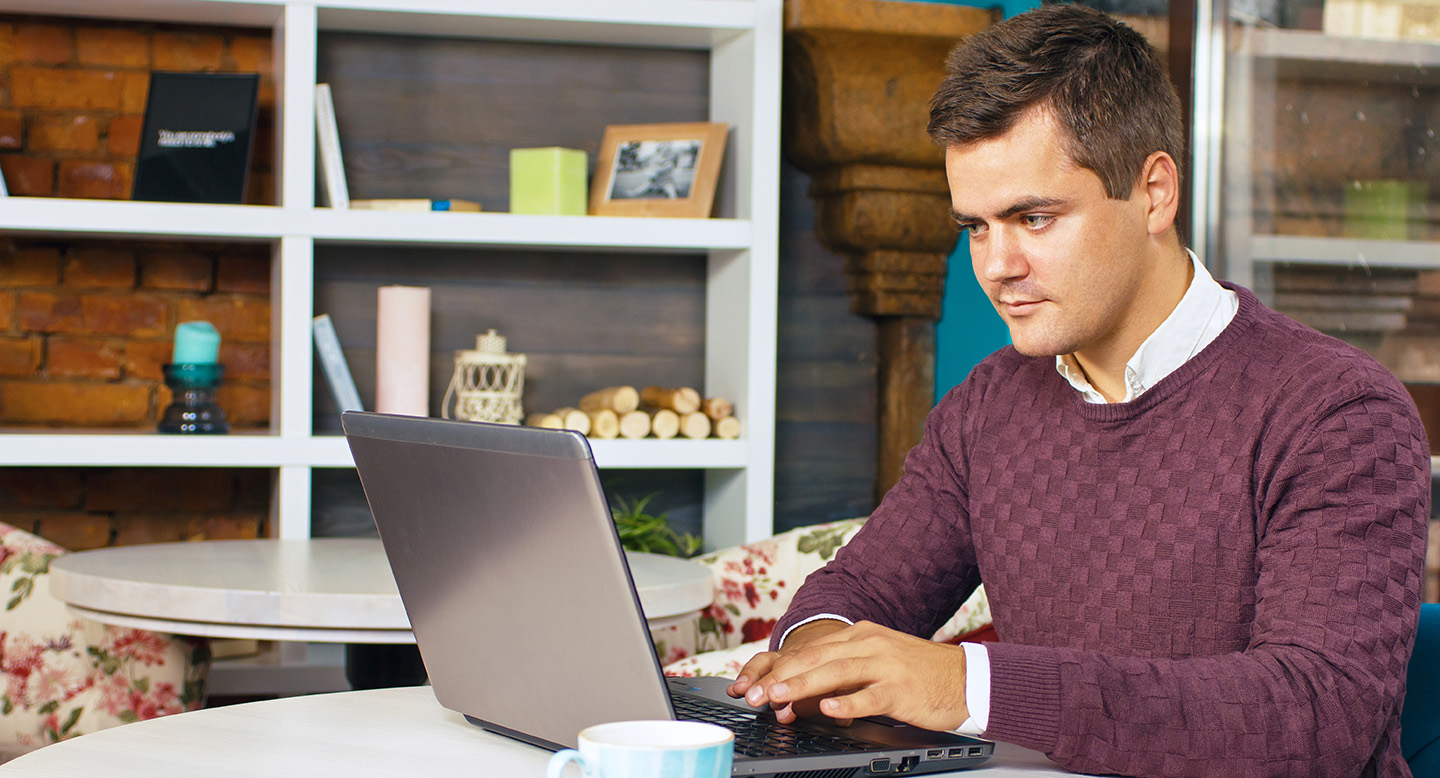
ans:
(658, 170)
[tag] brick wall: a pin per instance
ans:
(86, 324)
(72, 99)
(83, 508)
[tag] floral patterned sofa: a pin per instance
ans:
(753, 586)
(65, 676)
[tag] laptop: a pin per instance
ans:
(507, 559)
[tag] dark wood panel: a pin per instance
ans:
(827, 473)
(827, 391)
(437, 117)
(814, 327)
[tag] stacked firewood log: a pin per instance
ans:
(662, 412)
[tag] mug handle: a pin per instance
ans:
(559, 759)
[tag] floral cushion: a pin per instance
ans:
(64, 676)
(753, 587)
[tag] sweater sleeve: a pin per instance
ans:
(912, 565)
(1343, 515)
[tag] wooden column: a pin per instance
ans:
(858, 79)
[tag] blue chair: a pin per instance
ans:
(1420, 720)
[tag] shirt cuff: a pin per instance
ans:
(833, 617)
(977, 689)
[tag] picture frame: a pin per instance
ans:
(668, 170)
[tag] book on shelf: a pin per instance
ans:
(414, 204)
(332, 165)
(332, 360)
(196, 137)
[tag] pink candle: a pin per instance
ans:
(402, 351)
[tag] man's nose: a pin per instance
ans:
(1004, 258)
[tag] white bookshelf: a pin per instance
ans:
(742, 38)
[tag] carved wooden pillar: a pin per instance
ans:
(858, 79)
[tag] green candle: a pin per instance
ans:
(196, 343)
(548, 181)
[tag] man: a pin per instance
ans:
(1201, 526)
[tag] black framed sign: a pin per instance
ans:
(195, 144)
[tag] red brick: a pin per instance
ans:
(180, 270)
(19, 357)
(48, 44)
(129, 315)
(238, 319)
(49, 312)
(82, 358)
(28, 176)
(112, 46)
(40, 487)
(254, 54)
(80, 134)
(246, 407)
(157, 490)
(134, 91)
(143, 358)
(35, 266)
(260, 188)
(245, 362)
(188, 51)
(146, 528)
(12, 129)
(253, 489)
(122, 138)
(7, 310)
(75, 404)
(28, 521)
(262, 149)
(75, 531)
(65, 90)
(243, 274)
(7, 44)
(97, 180)
(224, 527)
(99, 268)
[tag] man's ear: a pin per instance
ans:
(1160, 182)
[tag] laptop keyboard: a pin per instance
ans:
(757, 736)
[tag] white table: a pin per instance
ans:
(336, 590)
(381, 733)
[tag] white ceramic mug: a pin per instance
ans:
(650, 749)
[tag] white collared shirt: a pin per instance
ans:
(1202, 314)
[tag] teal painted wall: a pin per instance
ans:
(969, 328)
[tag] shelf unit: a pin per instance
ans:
(1239, 108)
(742, 38)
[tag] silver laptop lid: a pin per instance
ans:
(506, 558)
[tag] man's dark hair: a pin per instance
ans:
(1101, 81)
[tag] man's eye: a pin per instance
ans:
(1036, 221)
(974, 228)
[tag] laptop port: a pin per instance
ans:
(954, 752)
(907, 764)
(976, 750)
(935, 753)
(879, 765)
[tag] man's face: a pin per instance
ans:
(1066, 267)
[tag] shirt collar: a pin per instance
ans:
(1203, 312)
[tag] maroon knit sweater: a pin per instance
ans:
(1220, 578)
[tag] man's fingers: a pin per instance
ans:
(758, 667)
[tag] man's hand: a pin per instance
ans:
(846, 672)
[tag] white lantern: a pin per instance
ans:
(487, 383)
